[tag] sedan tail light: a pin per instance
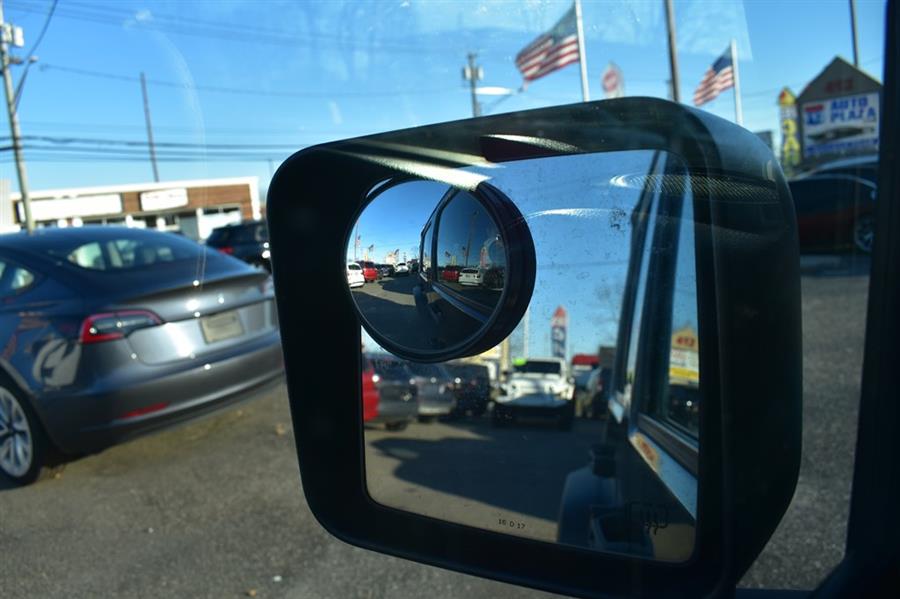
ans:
(108, 326)
(226, 249)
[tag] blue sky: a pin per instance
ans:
(279, 76)
(373, 66)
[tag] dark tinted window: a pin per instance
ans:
(429, 370)
(391, 370)
(129, 253)
(538, 367)
(468, 237)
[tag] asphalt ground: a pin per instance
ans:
(215, 508)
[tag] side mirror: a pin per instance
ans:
(477, 277)
(667, 235)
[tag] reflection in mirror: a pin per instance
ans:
(582, 426)
(433, 265)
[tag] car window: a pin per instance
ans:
(677, 403)
(467, 236)
(14, 279)
(120, 254)
(536, 367)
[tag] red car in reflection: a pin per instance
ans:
(369, 393)
(370, 271)
(450, 274)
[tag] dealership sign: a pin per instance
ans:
(558, 327)
(164, 199)
(60, 208)
(843, 125)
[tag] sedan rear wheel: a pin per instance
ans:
(21, 440)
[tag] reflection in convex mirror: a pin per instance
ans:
(513, 434)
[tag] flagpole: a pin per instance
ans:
(582, 57)
(738, 110)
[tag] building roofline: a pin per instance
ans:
(65, 192)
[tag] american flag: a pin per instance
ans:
(551, 51)
(718, 78)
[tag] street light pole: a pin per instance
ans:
(673, 50)
(853, 33)
(149, 128)
(15, 133)
(473, 73)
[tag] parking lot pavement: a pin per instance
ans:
(210, 509)
(214, 508)
(468, 472)
(809, 542)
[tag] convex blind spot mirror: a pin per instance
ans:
(461, 268)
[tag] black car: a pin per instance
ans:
(472, 383)
(248, 241)
(111, 331)
(385, 270)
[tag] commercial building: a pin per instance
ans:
(193, 207)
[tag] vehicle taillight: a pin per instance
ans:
(115, 325)
(226, 249)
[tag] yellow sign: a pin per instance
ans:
(790, 142)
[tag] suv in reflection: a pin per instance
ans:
(248, 241)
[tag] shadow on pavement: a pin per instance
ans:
(521, 469)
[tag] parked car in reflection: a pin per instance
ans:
(436, 390)
(539, 375)
(534, 406)
(385, 270)
(247, 241)
(110, 332)
(591, 402)
(393, 385)
(401, 269)
(369, 271)
(472, 386)
(470, 276)
(450, 273)
(355, 276)
(835, 205)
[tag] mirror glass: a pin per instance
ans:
(581, 427)
(426, 265)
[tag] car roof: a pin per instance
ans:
(841, 164)
(52, 237)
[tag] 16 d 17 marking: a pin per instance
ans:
(511, 524)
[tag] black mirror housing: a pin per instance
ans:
(750, 345)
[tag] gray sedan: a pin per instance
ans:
(109, 332)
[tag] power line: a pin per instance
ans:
(177, 25)
(43, 32)
(144, 144)
(243, 90)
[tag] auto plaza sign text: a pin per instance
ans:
(844, 125)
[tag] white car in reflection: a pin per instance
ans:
(401, 268)
(471, 276)
(355, 276)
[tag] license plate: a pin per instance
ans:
(221, 326)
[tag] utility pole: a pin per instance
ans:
(853, 33)
(673, 51)
(9, 34)
(473, 74)
(149, 128)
